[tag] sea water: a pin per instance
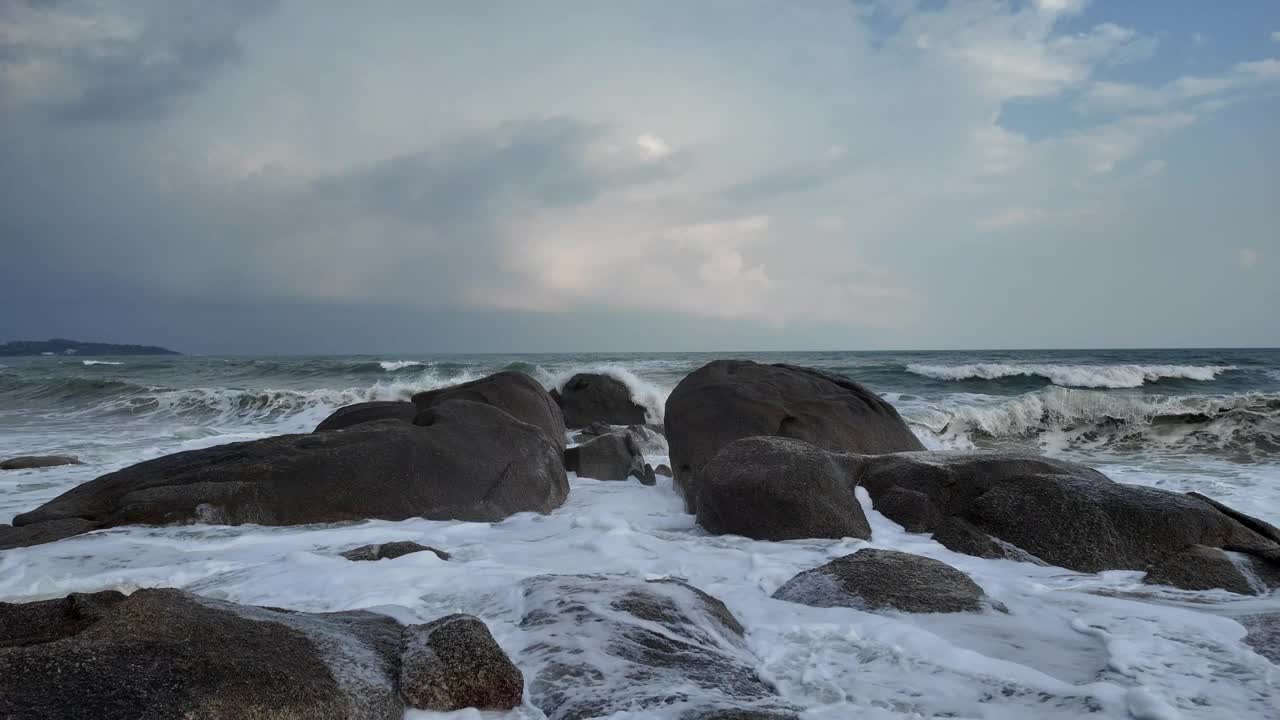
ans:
(1072, 644)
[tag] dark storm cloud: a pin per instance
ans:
(154, 54)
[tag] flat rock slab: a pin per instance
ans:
(29, 462)
(391, 550)
(872, 579)
(602, 644)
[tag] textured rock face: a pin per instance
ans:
(454, 663)
(345, 417)
(650, 642)
(28, 462)
(462, 460)
(771, 488)
(389, 551)
(873, 579)
(590, 397)
(517, 394)
(727, 400)
(167, 654)
(161, 654)
(606, 457)
(1007, 505)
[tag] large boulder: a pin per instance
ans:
(605, 644)
(1030, 507)
(30, 462)
(454, 663)
(161, 654)
(606, 457)
(727, 400)
(771, 488)
(872, 579)
(170, 655)
(461, 460)
(345, 417)
(519, 395)
(587, 398)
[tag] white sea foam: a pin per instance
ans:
(394, 365)
(645, 393)
(1096, 416)
(1083, 376)
(89, 363)
(1063, 651)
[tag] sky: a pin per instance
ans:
(309, 176)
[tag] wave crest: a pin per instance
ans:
(1081, 376)
(1071, 417)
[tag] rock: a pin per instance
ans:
(1200, 568)
(44, 532)
(166, 654)
(391, 550)
(771, 488)
(590, 397)
(662, 646)
(454, 663)
(663, 470)
(646, 438)
(1010, 505)
(650, 476)
(727, 400)
(345, 417)
(517, 394)
(873, 579)
(607, 457)
(28, 462)
(462, 460)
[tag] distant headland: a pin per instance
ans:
(62, 346)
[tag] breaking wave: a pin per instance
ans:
(1081, 376)
(1076, 418)
(89, 363)
(651, 397)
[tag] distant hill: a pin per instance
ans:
(62, 346)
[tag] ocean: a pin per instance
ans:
(1073, 644)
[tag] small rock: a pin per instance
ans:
(345, 417)
(872, 579)
(589, 398)
(607, 457)
(28, 462)
(388, 551)
(454, 663)
(663, 470)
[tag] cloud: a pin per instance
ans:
(85, 62)
(1247, 257)
(832, 167)
(1244, 77)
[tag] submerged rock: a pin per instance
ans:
(161, 654)
(29, 462)
(1026, 506)
(517, 394)
(391, 550)
(727, 400)
(461, 460)
(591, 397)
(454, 663)
(606, 457)
(345, 417)
(604, 644)
(771, 488)
(872, 579)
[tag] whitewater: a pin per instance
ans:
(1072, 644)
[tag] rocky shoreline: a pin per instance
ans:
(771, 452)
